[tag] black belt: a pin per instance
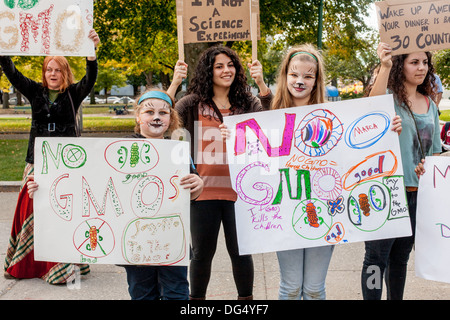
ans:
(51, 126)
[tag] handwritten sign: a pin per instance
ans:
(110, 201)
(433, 221)
(46, 27)
(413, 25)
(215, 20)
(317, 175)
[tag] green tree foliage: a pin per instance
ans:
(442, 65)
(140, 34)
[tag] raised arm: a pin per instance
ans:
(380, 85)
(179, 73)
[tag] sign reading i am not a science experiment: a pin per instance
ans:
(111, 201)
(414, 25)
(46, 27)
(216, 20)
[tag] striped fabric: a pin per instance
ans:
(212, 160)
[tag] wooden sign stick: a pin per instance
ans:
(254, 35)
(180, 37)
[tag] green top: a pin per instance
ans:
(428, 125)
(52, 95)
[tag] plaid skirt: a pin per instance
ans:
(19, 261)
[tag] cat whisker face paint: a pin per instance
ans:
(154, 118)
(301, 79)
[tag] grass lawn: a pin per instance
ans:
(89, 124)
(445, 115)
(13, 152)
(12, 159)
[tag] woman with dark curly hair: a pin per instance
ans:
(409, 77)
(219, 88)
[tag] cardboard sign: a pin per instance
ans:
(433, 221)
(46, 27)
(216, 20)
(317, 175)
(111, 201)
(414, 25)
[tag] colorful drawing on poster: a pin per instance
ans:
(111, 201)
(312, 177)
(154, 241)
(147, 196)
(318, 133)
(445, 230)
(367, 130)
(46, 28)
(63, 210)
(285, 148)
(264, 187)
(132, 156)
(94, 238)
(311, 220)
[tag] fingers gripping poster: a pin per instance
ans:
(433, 221)
(317, 175)
(46, 27)
(111, 201)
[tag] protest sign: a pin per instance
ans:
(111, 201)
(217, 20)
(46, 27)
(317, 175)
(414, 25)
(433, 221)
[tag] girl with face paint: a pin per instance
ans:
(301, 82)
(157, 119)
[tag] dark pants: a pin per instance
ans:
(157, 283)
(206, 218)
(389, 256)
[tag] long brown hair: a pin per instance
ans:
(396, 82)
(66, 72)
(283, 98)
(240, 96)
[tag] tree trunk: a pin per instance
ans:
(92, 96)
(149, 79)
(5, 100)
(192, 52)
(19, 98)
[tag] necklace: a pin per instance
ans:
(220, 104)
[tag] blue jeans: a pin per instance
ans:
(157, 283)
(303, 273)
(388, 258)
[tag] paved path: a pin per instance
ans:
(108, 282)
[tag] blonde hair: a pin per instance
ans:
(175, 122)
(66, 72)
(283, 98)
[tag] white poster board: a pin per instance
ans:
(111, 201)
(46, 27)
(432, 246)
(317, 175)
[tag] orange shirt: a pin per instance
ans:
(212, 164)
